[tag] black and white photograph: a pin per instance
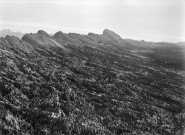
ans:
(92, 67)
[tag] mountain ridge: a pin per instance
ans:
(76, 84)
(42, 38)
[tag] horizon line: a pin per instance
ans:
(85, 30)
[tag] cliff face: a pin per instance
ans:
(87, 84)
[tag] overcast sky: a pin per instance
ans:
(151, 20)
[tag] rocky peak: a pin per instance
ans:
(81, 38)
(91, 34)
(60, 36)
(12, 40)
(97, 38)
(41, 32)
(111, 35)
(31, 39)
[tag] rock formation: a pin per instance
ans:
(75, 84)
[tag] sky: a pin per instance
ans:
(150, 20)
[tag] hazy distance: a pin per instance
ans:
(151, 20)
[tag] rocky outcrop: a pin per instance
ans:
(98, 38)
(73, 84)
(60, 36)
(43, 33)
(41, 39)
(81, 39)
(11, 42)
(111, 35)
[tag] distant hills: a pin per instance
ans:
(5, 32)
(181, 43)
